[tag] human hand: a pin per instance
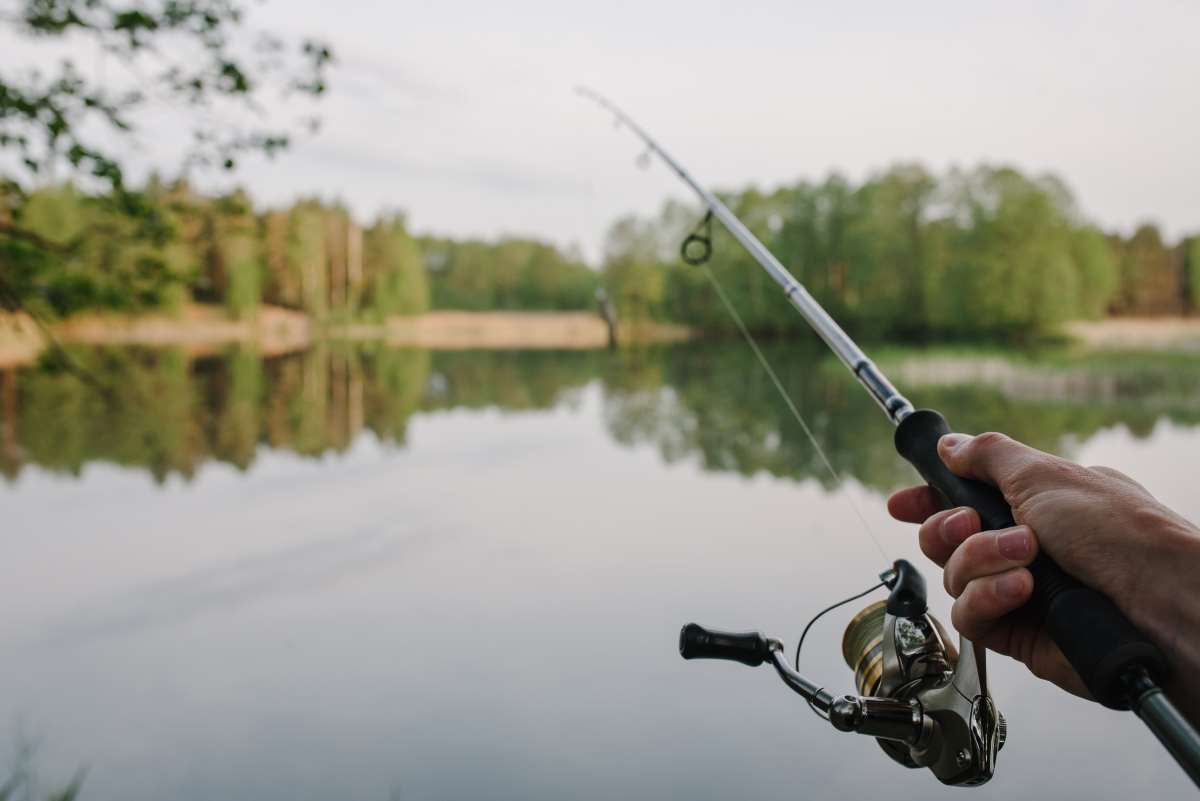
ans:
(1099, 525)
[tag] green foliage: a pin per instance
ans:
(237, 248)
(632, 274)
(396, 282)
(1009, 264)
(306, 254)
(78, 252)
(985, 253)
(62, 252)
(197, 54)
(1097, 270)
(511, 273)
(1191, 249)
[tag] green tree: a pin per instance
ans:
(632, 275)
(983, 253)
(238, 250)
(1098, 272)
(306, 256)
(395, 275)
(889, 252)
(91, 255)
(1191, 249)
(199, 56)
(509, 273)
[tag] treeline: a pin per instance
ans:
(510, 274)
(77, 252)
(907, 253)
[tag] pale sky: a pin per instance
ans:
(463, 113)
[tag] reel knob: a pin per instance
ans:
(1001, 730)
(749, 648)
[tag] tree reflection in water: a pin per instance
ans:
(709, 401)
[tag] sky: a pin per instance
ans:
(462, 112)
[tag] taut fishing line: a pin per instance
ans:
(787, 399)
(701, 261)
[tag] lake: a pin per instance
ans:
(362, 572)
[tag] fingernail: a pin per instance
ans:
(956, 527)
(1015, 543)
(1010, 586)
(951, 442)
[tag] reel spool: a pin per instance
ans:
(862, 647)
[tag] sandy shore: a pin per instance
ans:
(197, 328)
(452, 330)
(205, 329)
(20, 339)
(1138, 333)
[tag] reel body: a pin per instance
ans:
(898, 650)
(926, 702)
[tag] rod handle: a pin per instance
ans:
(1093, 634)
(749, 648)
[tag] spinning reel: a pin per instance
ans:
(925, 702)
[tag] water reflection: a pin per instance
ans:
(484, 604)
(169, 414)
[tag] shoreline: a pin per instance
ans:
(1137, 333)
(203, 330)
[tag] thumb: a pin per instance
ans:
(992, 458)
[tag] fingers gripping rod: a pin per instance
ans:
(1121, 668)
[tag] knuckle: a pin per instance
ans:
(970, 560)
(1052, 468)
(931, 524)
(927, 535)
(932, 551)
(948, 582)
(978, 547)
(1038, 473)
(964, 617)
(989, 441)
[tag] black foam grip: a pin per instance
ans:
(1094, 635)
(749, 648)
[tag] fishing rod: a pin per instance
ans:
(927, 704)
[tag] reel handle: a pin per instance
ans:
(1094, 635)
(749, 648)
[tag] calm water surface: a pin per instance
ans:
(365, 573)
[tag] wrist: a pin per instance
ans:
(1167, 603)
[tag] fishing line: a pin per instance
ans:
(830, 608)
(787, 399)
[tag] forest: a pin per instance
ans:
(986, 253)
(908, 254)
(179, 246)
